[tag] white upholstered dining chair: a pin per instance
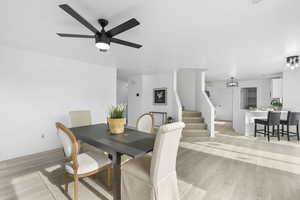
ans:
(80, 165)
(145, 123)
(154, 178)
(80, 118)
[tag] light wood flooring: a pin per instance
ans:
(222, 168)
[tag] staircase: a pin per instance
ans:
(194, 124)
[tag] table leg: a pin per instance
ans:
(116, 182)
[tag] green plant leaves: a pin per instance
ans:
(117, 112)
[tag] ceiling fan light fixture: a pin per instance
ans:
(102, 42)
(292, 62)
(232, 82)
(102, 46)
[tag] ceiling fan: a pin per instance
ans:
(102, 38)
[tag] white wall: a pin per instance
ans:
(151, 82)
(263, 100)
(38, 90)
(135, 86)
(144, 84)
(221, 98)
(187, 88)
(122, 92)
(291, 90)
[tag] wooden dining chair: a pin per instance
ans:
(154, 177)
(81, 165)
(145, 123)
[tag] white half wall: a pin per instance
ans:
(291, 90)
(204, 104)
(38, 90)
(177, 107)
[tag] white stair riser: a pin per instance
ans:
(223, 126)
(195, 126)
(195, 134)
(191, 114)
(193, 120)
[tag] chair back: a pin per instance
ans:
(164, 155)
(274, 118)
(145, 123)
(293, 118)
(80, 118)
(69, 143)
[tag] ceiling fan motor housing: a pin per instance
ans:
(102, 37)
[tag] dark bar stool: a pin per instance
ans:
(272, 120)
(292, 120)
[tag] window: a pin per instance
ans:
(249, 98)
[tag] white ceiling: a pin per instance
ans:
(232, 37)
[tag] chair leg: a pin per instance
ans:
(297, 127)
(288, 132)
(282, 130)
(278, 132)
(268, 133)
(255, 129)
(109, 177)
(76, 186)
(273, 130)
(66, 182)
(265, 130)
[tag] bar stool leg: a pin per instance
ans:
(297, 127)
(282, 130)
(255, 129)
(273, 130)
(268, 132)
(288, 132)
(278, 132)
(265, 130)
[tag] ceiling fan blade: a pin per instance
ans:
(123, 27)
(74, 14)
(75, 35)
(130, 44)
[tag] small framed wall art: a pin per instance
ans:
(160, 96)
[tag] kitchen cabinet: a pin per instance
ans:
(277, 88)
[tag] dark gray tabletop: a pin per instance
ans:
(132, 142)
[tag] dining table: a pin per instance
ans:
(132, 143)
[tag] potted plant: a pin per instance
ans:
(116, 120)
(170, 120)
(277, 105)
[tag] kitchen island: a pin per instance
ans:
(245, 123)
